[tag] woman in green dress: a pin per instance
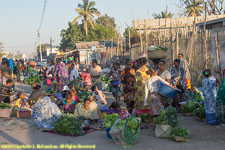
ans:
(220, 103)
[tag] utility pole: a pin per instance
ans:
(39, 39)
(51, 44)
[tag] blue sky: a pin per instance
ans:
(20, 19)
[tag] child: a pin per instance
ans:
(197, 95)
(69, 103)
(21, 103)
(152, 86)
(114, 108)
(74, 96)
(86, 78)
(100, 97)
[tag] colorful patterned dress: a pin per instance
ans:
(128, 80)
(45, 113)
(140, 79)
(209, 93)
(178, 77)
(184, 64)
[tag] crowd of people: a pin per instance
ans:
(63, 82)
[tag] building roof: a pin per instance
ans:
(211, 22)
(88, 45)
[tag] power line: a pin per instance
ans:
(43, 13)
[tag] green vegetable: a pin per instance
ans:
(167, 117)
(110, 120)
(68, 124)
(5, 105)
(200, 111)
(120, 123)
(133, 125)
(189, 107)
(181, 132)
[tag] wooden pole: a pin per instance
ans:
(205, 49)
(111, 49)
(146, 40)
(218, 59)
(177, 44)
(129, 41)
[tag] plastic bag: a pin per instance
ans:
(131, 138)
(118, 134)
(163, 131)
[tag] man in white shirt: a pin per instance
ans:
(163, 73)
(74, 73)
(95, 73)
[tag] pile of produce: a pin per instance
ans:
(106, 80)
(180, 134)
(110, 120)
(120, 123)
(83, 96)
(133, 125)
(167, 117)
(200, 111)
(68, 124)
(5, 105)
(132, 130)
(189, 107)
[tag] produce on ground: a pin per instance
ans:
(133, 125)
(200, 112)
(180, 132)
(167, 117)
(110, 120)
(189, 107)
(68, 124)
(120, 123)
(5, 105)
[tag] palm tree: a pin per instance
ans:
(193, 8)
(163, 14)
(87, 11)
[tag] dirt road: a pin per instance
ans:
(23, 131)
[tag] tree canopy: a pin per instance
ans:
(163, 14)
(106, 21)
(76, 32)
(87, 11)
(193, 7)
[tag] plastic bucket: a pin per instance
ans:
(168, 91)
(107, 133)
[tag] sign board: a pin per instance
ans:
(93, 48)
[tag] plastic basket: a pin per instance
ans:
(107, 133)
(5, 113)
(168, 91)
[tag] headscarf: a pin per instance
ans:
(5, 60)
(32, 63)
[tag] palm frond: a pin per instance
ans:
(91, 4)
(80, 11)
(76, 19)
